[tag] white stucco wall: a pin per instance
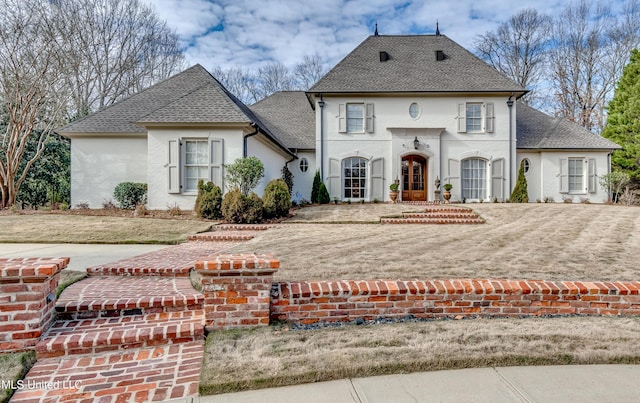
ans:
(158, 149)
(533, 176)
(550, 169)
(272, 160)
(98, 164)
(303, 181)
(436, 128)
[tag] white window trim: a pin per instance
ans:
(367, 178)
(583, 176)
(184, 164)
(487, 117)
(487, 171)
(176, 164)
(368, 118)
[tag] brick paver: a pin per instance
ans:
(139, 375)
(438, 214)
(131, 332)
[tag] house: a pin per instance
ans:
(418, 110)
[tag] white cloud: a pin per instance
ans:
(255, 32)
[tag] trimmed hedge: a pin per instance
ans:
(209, 201)
(276, 199)
(130, 194)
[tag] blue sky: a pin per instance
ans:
(250, 33)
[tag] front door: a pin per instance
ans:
(414, 178)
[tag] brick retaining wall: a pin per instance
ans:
(27, 300)
(332, 301)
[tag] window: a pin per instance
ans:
(191, 160)
(414, 110)
(355, 177)
(355, 118)
(527, 165)
(196, 164)
(474, 179)
(576, 175)
(474, 117)
(304, 165)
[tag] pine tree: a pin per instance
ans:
(323, 194)
(315, 187)
(520, 193)
(623, 122)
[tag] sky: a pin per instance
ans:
(251, 33)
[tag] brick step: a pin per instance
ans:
(431, 221)
(92, 336)
(221, 235)
(447, 209)
(441, 214)
(118, 270)
(242, 227)
(156, 373)
(109, 296)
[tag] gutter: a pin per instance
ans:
(321, 105)
(246, 136)
(511, 165)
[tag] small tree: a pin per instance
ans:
(323, 194)
(520, 193)
(315, 187)
(287, 177)
(130, 194)
(615, 183)
(245, 174)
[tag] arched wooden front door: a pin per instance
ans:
(414, 178)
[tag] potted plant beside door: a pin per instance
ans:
(447, 192)
(393, 192)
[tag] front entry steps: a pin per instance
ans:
(231, 232)
(438, 214)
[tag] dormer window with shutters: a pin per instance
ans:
(476, 117)
(355, 118)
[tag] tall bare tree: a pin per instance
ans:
(114, 48)
(240, 82)
(308, 72)
(31, 96)
(518, 48)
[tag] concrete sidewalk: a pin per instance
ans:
(82, 255)
(579, 383)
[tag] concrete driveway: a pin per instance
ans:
(82, 255)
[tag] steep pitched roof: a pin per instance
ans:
(289, 114)
(121, 116)
(537, 130)
(192, 96)
(412, 67)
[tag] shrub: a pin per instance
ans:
(238, 208)
(614, 183)
(520, 193)
(130, 194)
(253, 210)
(315, 187)
(287, 177)
(276, 199)
(108, 204)
(245, 174)
(208, 201)
(83, 206)
(323, 194)
(174, 209)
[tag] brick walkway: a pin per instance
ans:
(132, 331)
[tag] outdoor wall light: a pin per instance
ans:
(416, 143)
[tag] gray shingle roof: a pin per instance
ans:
(537, 130)
(120, 117)
(290, 116)
(412, 67)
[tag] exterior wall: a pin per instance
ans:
(550, 169)
(158, 149)
(534, 176)
(436, 127)
(98, 164)
(303, 181)
(272, 160)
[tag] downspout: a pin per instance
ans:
(510, 105)
(246, 136)
(321, 105)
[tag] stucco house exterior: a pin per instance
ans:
(420, 110)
